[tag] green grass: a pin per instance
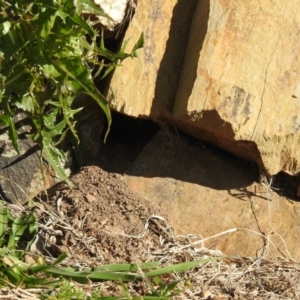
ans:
(52, 281)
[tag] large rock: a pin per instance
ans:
(21, 178)
(22, 175)
(154, 75)
(223, 71)
(208, 192)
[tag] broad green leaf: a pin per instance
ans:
(46, 60)
(47, 18)
(11, 50)
(79, 21)
(53, 103)
(50, 118)
(26, 103)
(13, 275)
(53, 156)
(84, 80)
(55, 131)
(69, 116)
(50, 71)
(18, 81)
(18, 228)
(33, 227)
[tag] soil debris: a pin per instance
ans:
(106, 222)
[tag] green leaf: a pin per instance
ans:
(69, 116)
(110, 68)
(26, 103)
(115, 272)
(50, 71)
(18, 228)
(53, 156)
(79, 21)
(85, 84)
(133, 298)
(128, 267)
(10, 50)
(3, 221)
(47, 18)
(55, 130)
(139, 44)
(50, 118)
(86, 277)
(12, 133)
(170, 287)
(89, 6)
(14, 275)
(179, 267)
(48, 54)
(44, 268)
(6, 27)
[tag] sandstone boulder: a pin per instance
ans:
(208, 192)
(226, 72)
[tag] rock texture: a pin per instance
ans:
(154, 75)
(226, 72)
(208, 192)
(20, 175)
(21, 178)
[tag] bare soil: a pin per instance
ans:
(106, 222)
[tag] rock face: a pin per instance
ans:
(208, 192)
(226, 72)
(20, 175)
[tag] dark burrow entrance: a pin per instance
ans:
(128, 137)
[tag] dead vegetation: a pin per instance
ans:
(151, 239)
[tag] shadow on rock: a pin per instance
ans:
(175, 155)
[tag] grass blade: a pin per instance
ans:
(134, 298)
(85, 277)
(3, 222)
(128, 267)
(179, 267)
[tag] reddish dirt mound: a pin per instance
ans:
(99, 219)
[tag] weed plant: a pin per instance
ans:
(48, 56)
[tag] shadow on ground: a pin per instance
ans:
(142, 148)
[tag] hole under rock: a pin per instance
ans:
(128, 137)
